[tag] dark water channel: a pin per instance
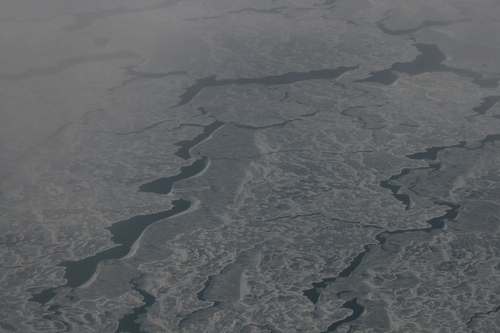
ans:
(488, 103)
(430, 154)
(125, 233)
(186, 145)
(127, 322)
(164, 185)
(357, 310)
(286, 78)
(429, 60)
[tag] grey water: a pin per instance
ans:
(429, 60)
(164, 185)
(286, 78)
(125, 233)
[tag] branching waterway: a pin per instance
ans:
(438, 222)
(277, 166)
(435, 223)
(287, 78)
(128, 322)
(126, 233)
(357, 310)
(429, 60)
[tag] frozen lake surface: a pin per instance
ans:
(266, 166)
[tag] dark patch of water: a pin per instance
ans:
(182, 322)
(488, 103)
(424, 24)
(44, 296)
(128, 322)
(432, 153)
(286, 78)
(164, 185)
(125, 233)
(404, 198)
(186, 145)
(490, 138)
(429, 60)
(314, 293)
(357, 310)
(487, 83)
(201, 293)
